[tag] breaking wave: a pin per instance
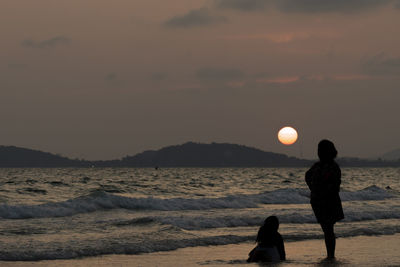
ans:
(105, 201)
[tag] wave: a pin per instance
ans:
(372, 192)
(136, 221)
(292, 216)
(101, 200)
(134, 245)
(31, 190)
(71, 251)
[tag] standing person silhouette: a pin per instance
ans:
(324, 179)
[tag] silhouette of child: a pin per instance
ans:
(270, 245)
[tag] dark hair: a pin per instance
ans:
(326, 150)
(270, 226)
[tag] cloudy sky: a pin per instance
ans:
(100, 79)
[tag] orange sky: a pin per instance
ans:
(102, 79)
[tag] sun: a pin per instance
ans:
(287, 135)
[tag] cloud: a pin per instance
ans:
(318, 6)
(312, 78)
(381, 64)
(303, 6)
(351, 77)
(219, 74)
(195, 18)
(49, 43)
(272, 37)
(243, 5)
(279, 80)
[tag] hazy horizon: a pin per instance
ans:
(102, 80)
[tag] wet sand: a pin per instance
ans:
(355, 251)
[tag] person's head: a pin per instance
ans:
(271, 223)
(270, 226)
(326, 150)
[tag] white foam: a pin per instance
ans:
(353, 213)
(105, 201)
(372, 192)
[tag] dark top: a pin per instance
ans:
(324, 179)
(274, 239)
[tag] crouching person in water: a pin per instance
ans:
(270, 245)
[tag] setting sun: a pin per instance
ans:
(287, 135)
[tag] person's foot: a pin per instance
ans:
(329, 260)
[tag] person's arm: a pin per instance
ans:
(251, 255)
(281, 248)
(308, 177)
(334, 179)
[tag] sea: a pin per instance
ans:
(67, 213)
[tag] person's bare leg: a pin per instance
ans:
(330, 240)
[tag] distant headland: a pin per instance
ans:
(189, 154)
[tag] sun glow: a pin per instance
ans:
(287, 135)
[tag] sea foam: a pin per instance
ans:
(105, 201)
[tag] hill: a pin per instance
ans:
(186, 155)
(11, 156)
(392, 155)
(211, 155)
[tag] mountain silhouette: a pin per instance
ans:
(392, 155)
(11, 156)
(212, 155)
(185, 155)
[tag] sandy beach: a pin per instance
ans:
(354, 251)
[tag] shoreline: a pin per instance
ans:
(351, 251)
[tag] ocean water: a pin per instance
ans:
(74, 212)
